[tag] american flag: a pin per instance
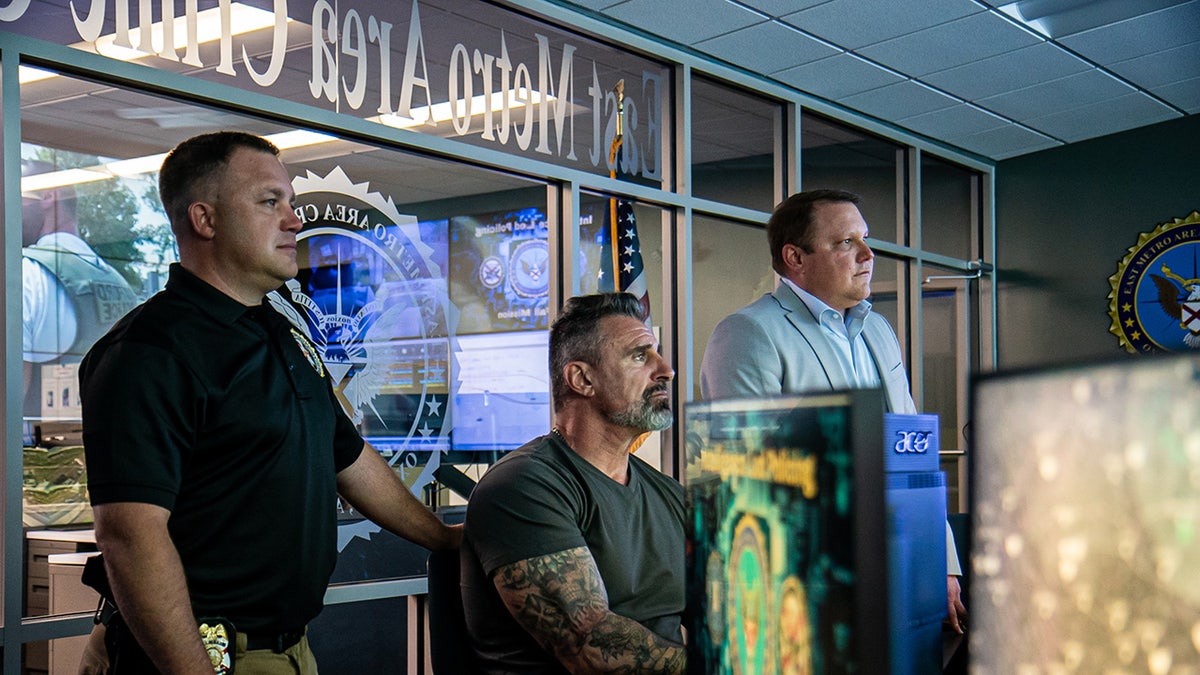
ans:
(623, 247)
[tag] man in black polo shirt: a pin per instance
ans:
(215, 444)
(573, 555)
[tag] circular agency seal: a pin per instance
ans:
(1155, 298)
(374, 303)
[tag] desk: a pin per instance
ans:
(40, 547)
(68, 595)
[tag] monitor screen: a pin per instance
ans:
(787, 569)
(501, 390)
(1085, 493)
(500, 270)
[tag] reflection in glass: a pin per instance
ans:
(949, 209)
(943, 329)
(391, 243)
(733, 145)
(886, 293)
(834, 155)
(731, 267)
(638, 235)
(89, 254)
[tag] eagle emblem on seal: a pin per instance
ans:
(1155, 299)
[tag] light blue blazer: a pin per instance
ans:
(774, 345)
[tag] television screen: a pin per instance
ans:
(500, 270)
(501, 390)
(787, 569)
(1085, 493)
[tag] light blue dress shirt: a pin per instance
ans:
(845, 335)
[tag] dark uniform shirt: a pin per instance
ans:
(222, 414)
(544, 498)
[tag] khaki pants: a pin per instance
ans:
(131, 660)
(297, 660)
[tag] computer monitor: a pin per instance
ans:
(1085, 495)
(787, 567)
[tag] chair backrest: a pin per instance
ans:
(449, 650)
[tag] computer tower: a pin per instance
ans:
(916, 500)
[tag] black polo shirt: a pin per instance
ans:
(219, 413)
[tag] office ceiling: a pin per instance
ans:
(997, 79)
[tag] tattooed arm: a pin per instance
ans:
(560, 599)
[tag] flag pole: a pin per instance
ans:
(614, 152)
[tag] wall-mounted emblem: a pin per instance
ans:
(1155, 299)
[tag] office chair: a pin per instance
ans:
(449, 651)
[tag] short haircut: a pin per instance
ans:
(575, 335)
(791, 223)
(195, 164)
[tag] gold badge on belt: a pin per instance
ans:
(219, 641)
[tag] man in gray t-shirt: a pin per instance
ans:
(573, 555)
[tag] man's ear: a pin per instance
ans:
(578, 376)
(793, 257)
(202, 217)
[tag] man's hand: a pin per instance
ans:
(147, 579)
(373, 488)
(957, 614)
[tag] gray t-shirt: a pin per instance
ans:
(544, 498)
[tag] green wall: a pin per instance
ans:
(1066, 217)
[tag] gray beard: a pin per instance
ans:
(643, 416)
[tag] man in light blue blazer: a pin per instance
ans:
(816, 332)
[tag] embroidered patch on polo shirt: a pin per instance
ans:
(310, 352)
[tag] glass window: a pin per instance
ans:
(636, 268)
(638, 229)
(834, 155)
(887, 290)
(731, 267)
(414, 274)
(944, 330)
(949, 209)
(734, 141)
(474, 72)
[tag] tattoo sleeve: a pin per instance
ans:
(560, 599)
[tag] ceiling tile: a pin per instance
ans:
(837, 76)
(902, 99)
(1106, 117)
(1006, 141)
(596, 4)
(954, 122)
(1090, 86)
(876, 20)
(767, 47)
(1184, 94)
(1165, 67)
(971, 38)
(778, 8)
(1008, 71)
(685, 21)
(1136, 37)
